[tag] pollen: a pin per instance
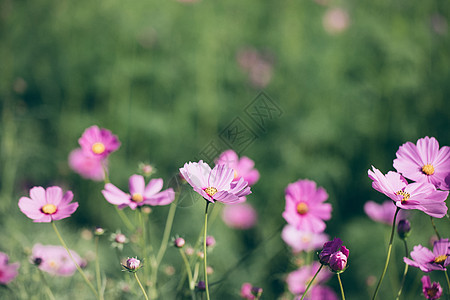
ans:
(302, 208)
(211, 191)
(137, 197)
(404, 194)
(428, 169)
(48, 209)
(98, 148)
(440, 259)
(235, 175)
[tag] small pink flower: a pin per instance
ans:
(45, 206)
(431, 291)
(301, 240)
(298, 280)
(304, 206)
(383, 213)
(425, 162)
(216, 184)
(336, 20)
(239, 216)
(179, 242)
(243, 167)
(133, 264)
(7, 271)
(422, 196)
(98, 142)
(55, 260)
(87, 166)
(246, 291)
(428, 261)
(139, 193)
(210, 241)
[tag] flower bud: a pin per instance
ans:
(338, 261)
(179, 242)
(257, 291)
(403, 229)
(120, 238)
(99, 231)
(201, 286)
(210, 241)
(133, 264)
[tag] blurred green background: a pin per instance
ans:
(353, 81)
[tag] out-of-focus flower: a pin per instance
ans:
(55, 260)
(216, 184)
(336, 20)
(139, 193)
(403, 228)
(439, 24)
(99, 231)
(146, 169)
(425, 162)
(132, 265)
(304, 206)
(243, 167)
(239, 216)
(319, 292)
(331, 254)
(418, 195)
(179, 242)
(98, 142)
(250, 292)
(210, 241)
(300, 240)
(383, 213)
(8, 271)
(189, 250)
(298, 280)
(428, 261)
(257, 65)
(201, 286)
(431, 291)
(118, 239)
(46, 205)
(87, 166)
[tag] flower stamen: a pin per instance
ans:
(302, 208)
(137, 198)
(440, 259)
(405, 196)
(428, 169)
(98, 148)
(48, 209)
(211, 191)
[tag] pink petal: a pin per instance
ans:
(54, 195)
(136, 184)
(31, 208)
(114, 195)
(153, 187)
(37, 193)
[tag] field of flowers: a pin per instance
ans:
(236, 150)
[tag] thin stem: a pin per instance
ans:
(140, 285)
(189, 273)
(97, 269)
(388, 255)
(125, 219)
(204, 251)
(167, 230)
(47, 287)
(144, 243)
(309, 284)
(404, 272)
(340, 284)
(105, 173)
(448, 281)
(74, 261)
(434, 227)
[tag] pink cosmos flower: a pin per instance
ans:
(216, 184)
(239, 216)
(246, 291)
(425, 162)
(319, 292)
(243, 167)
(304, 206)
(7, 271)
(98, 142)
(55, 260)
(87, 166)
(48, 205)
(383, 213)
(300, 240)
(139, 193)
(428, 261)
(431, 291)
(298, 280)
(422, 196)
(331, 255)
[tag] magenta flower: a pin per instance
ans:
(45, 206)
(428, 261)
(7, 271)
(133, 264)
(246, 291)
(319, 292)
(300, 240)
(304, 206)
(242, 167)
(425, 162)
(422, 196)
(298, 280)
(383, 213)
(98, 142)
(239, 216)
(139, 193)
(431, 291)
(55, 260)
(334, 254)
(216, 184)
(87, 166)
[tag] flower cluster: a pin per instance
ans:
(334, 255)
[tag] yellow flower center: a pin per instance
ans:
(98, 148)
(235, 175)
(306, 239)
(440, 259)
(53, 264)
(48, 209)
(137, 197)
(211, 191)
(404, 194)
(428, 169)
(302, 208)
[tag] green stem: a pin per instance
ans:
(97, 269)
(167, 230)
(189, 273)
(125, 219)
(140, 285)
(47, 287)
(74, 261)
(448, 281)
(340, 284)
(388, 255)
(404, 272)
(309, 284)
(144, 243)
(204, 251)
(434, 227)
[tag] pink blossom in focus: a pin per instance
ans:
(239, 216)
(428, 261)
(7, 271)
(55, 260)
(300, 240)
(243, 167)
(425, 162)
(98, 143)
(87, 166)
(299, 279)
(48, 205)
(304, 206)
(139, 193)
(383, 213)
(336, 20)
